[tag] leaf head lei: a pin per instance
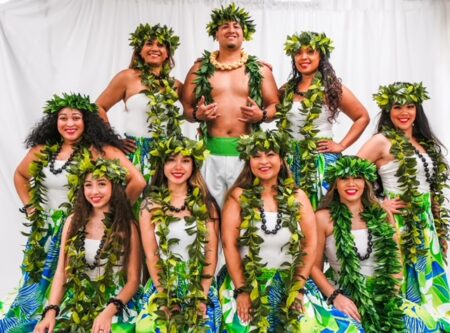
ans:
(72, 101)
(263, 141)
(352, 166)
(400, 93)
(317, 41)
(162, 33)
(231, 13)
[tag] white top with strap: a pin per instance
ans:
(135, 115)
(56, 186)
(390, 181)
(91, 247)
(274, 249)
(297, 119)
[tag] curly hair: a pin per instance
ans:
(96, 132)
(333, 84)
(121, 217)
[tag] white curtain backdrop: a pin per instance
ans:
(54, 46)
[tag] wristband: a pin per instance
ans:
(118, 304)
(336, 292)
(23, 210)
(264, 115)
(240, 290)
(194, 114)
(51, 307)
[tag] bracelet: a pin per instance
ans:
(264, 116)
(51, 307)
(118, 304)
(240, 290)
(194, 114)
(301, 276)
(302, 291)
(23, 210)
(336, 292)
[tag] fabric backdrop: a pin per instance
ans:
(54, 46)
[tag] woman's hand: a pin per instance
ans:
(102, 324)
(346, 305)
(129, 146)
(393, 206)
(329, 146)
(47, 324)
(244, 307)
(298, 303)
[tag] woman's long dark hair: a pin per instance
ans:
(196, 180)
(121, 218)
(96, 132)
(332, 84)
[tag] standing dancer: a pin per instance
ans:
(311, 100)
(414, 174)
(228, 91)
(149, 93)
(71, 125)
(99, 263)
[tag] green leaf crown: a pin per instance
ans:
(400, 93)
(162, 33)
(263, 141)
(231, 13)
(72, 101)
(110, 169)
(317, 41)
(352, 166)
(164, 148)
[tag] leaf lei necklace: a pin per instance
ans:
(311, 106)
(195, 224)
(163, 115)
(251, 202)
(380, 307)
(35, 253)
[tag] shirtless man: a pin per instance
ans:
(231, 92)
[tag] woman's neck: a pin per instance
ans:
(178, 190)
(306, 82)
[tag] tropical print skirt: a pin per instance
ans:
(317, 316)
(322, 161)
(22, 314)
(151, 319)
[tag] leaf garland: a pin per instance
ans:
(317, 41)
(400, 93)
(206, 71)
(35, 254)
(189, 319)
(439, 183)
(72, 101)
(88, 297)
(250, 201)
(311, 106)
(411, 240)
(380, 308)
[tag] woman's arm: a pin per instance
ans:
(135, 181)
(22, 175)
(210, 255)
(114, 92)
(47, 324)
(308, 228)
(149, 242)
(104, 320)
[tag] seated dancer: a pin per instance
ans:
(149, 93)
(99, 264)
(359, 241)
(71, 125)
(311, 100)
(229, 92)
(414, 173)
(179, 228)
(269, 239)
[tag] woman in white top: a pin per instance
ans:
(413, 173)
(269, 239)
(99, 263)
(311, 100)
(149, 93)
(179, 227)
(358, 239)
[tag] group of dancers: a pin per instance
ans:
(244, 230)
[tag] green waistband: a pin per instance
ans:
(222, 146)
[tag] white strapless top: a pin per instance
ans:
(360, 236)
(390, 181)
(135, 115)
(57, 186)
(297, 119)
(91, 247)
(274, 249)
(178, 230)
